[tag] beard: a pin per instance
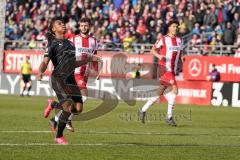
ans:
(85, 32)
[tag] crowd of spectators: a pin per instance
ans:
(126, 21)
(216, 23)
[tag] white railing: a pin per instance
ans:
(40, 45)
(203, 49)
(136, 48)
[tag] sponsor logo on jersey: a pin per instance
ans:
(175, 48)
(84, 50)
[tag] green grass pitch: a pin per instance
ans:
(209, 133)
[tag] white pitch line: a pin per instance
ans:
(127, 133)
(121, 144)
(25, 131)
(105, 132)
(76, 144)
(86, 132)
(90, 132)
(83, 132)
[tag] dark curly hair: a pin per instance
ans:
(50, 34)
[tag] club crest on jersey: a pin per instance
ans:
(78, 40)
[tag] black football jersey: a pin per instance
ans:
(60, 51)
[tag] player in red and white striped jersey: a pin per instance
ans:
(168, 50)
(85, 44)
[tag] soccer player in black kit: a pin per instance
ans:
(62, 54)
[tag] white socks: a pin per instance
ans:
(149, 103)
(70, 117)
(84, 98)
(171, 97)
(56, 118)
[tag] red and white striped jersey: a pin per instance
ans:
(85, 46)
(171, 48)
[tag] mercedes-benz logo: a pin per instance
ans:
(194, 67)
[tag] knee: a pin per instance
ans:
(67, 105)
(175, 91)
(161, 89)
(77, 108)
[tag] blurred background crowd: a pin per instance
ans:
(127, 22)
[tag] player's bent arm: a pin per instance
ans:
(182, 56)
(155, 51)
(42, 67)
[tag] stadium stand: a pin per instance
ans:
(127, 24)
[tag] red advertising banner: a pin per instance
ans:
(121, 65)
(116, 65)
(192, 92)
(13, 59)
(198, 67)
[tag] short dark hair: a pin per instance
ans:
(173, 22)
(84, 20)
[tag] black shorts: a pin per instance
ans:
(66, 88)
(26, 78)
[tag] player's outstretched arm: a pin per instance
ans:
(42, 68)
(89, 58)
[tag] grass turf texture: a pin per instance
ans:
(212, 133)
